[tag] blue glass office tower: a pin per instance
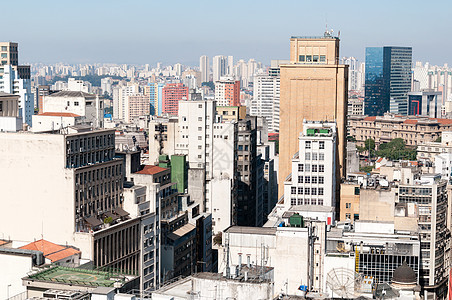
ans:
(387, 80)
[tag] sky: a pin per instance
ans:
(140, 32)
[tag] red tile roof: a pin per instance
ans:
(410, 121)
(3, 242)
(151, 170)
(50, 250)
(444, 121)
(370, 118)
(59, 114)
(380, 159)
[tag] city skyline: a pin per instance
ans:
(142, 32)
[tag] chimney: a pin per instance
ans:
(248, 260)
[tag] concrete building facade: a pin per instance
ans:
(313, 87)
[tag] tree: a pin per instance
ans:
(396, 150)
(438, 140)
(369, 147)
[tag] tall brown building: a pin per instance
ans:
(313, 87)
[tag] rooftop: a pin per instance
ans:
(151, 170)
(79, 277)
(251, 230)
(72, 94)
(59, 114)
(50, 250)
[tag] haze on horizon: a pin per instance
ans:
(140, 32)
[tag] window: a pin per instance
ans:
(314, 191)
(199, 128)
(307, 191)
(199, 156)
(199, 118)
(308, 58)
(320, 201)
(4, 48)
(293, 190)
(307, 179)
(347, 216)
(356, 190)
(300, 167)
(300, 179)
(307, 156)
(348, 205)
(301, 58)
(300, 191)
(321, 168)
(199, 105)
(321, 145)
(308, 168)
(68, 103)
(321, 192)
(314, 168)
(314, 156)
(293, 201)
(314, 179)
(76, 103)
(315, 58)
(321, 156)
(199, 138)
(321, 180)
(322, 58)
(199, 147)
(308, 145)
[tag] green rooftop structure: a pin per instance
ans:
(79, 277)
(296, 220)
(179, 172)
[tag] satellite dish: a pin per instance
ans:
(343, 282)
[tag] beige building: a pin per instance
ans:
(314, 88)
(382, 129)
(349, 204)
(136, 106)
(231, 113)
(9, 54)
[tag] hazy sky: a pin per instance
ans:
(139, 32)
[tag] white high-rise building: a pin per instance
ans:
(313, 179)
(352, 62)
(204, 68)
(220, 64)
(106, 85)
(361, 80)
(119, 99)
(178, 69)
(78, 85)
(265, 101)
(12, 83)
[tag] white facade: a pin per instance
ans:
(220, 66)
(88, 106)
(106, 85)
(11, 83)
(50, 122)
(265, 101)
(353, 72)
(78, 85)
(313, 178)
(119, 100)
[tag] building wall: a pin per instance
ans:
(266, 100)
(38, 162)
(14, 267)
(376, 200)
(172, 94)
(349, 205)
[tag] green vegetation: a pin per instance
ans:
(396, 150)
(218, 239)
(366, 169)
(351, 138)
(108, 220)
(438, 140)
(369, 145)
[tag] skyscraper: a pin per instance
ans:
(172, 94)
(220, 66)
(387, 80)
(313, 88)
(227, 92)
(204, 67)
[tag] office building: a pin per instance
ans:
(227, 92)
(204, 67)
(353, 72)
(388, 80)
(430, 195)
(265, 103)
(155, 93)
(313, 87)
(119, 99)
(172, 94)
(136, 106)
(425, 103)
(9, 54)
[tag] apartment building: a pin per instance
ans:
(172, 94)
(227, 92)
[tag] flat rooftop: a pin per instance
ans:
(78, 277)
(251, 230)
